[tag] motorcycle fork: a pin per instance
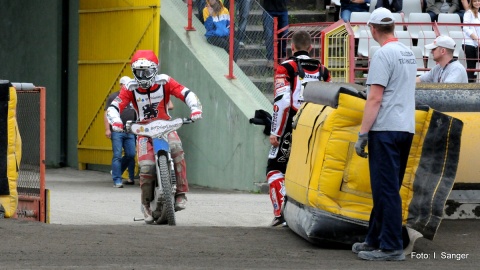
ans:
(161, 147)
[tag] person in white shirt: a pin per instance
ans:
(471, 37)
(448, 69)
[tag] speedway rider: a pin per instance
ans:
(149, 94)
(290, 79)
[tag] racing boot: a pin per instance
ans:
(146, 187)
(180, 202)
(147, 214)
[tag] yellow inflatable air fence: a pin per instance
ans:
(10, 149)
(328, 184)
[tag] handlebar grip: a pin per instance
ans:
(187, 120)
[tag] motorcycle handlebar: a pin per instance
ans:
(128, 124)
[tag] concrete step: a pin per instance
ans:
(252, 58)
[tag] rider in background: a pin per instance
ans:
(149, 94)
(290, 79)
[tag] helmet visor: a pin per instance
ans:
(144, 74)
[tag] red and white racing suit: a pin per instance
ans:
(288, 97)
(152, 104)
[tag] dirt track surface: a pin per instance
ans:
(215, 241)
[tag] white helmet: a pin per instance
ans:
(145, 67)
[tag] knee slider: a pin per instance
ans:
(147, 169)
(175, 146)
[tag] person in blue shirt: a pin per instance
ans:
(349, 6)
(217, 24)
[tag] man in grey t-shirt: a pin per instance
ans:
(448, 70)
(387, 127)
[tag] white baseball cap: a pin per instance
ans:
(124, 79)
(379, 14)
(442, 41)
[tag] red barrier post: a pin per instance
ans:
(230, 75)
(189, 27)
(43, 98)
(275, 43)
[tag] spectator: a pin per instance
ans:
(121, 140)
(275, 9)
(448, 69)
(395, 6)
(471, 37)
(200, 4)
(243, 7)
(435, 7)
(464, 6)
(388, 126)
(349, 6)
(290, 80)
(217, 24)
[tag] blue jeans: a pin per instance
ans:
(387, 158)
(224, 42)
(346, 10)
(120, 163)
(243, 7)
(282, 18)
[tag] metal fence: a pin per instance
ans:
(32, 194)
(344, 48)
(414, 35)
(250, 20)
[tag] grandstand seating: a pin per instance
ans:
(462, 58)
(417, 51)
(365, 41)
(404, 37)
(411, 6)
(418, 18)
(415, 36)
(398, 19)
(359, 17)
(448, 18)
(457, 36)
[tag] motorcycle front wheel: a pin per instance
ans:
(166, 208)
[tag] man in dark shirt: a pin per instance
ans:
(275, 9)
(121, 140)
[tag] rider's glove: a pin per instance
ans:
(131, 85)
(196, 114)
(117, 126)
(361, 144)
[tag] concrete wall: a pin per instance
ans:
(222, 150)
(31, 51)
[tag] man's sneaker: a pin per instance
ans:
(117, 185)
(382, 255)
(147, 214)
(277, 221)
(180, 202)
(357, 247)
